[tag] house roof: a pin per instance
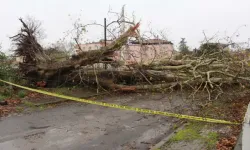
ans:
(152, 42)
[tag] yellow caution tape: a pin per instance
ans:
(141, 110)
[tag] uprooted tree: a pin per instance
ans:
(212, 68)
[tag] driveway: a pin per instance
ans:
(79, 126)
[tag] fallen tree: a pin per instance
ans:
(208, 71)
(37, 63)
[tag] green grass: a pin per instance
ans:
(42, 107)
(33, 106)
(19, 109)
(175, 126)
(193, 132)
(189, 133)
(29, 104)
(211, 140)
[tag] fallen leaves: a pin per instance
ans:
(226, 143)
(13, 102)
(34, 95)
(41, 84)
(235, 112)
(10, 107)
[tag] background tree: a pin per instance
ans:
(183, 46)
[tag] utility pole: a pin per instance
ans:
(105, 32)
(105, 38)
(122, 20)
(122, 30)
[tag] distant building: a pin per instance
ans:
(90, 46)
(135, 51)
(147, 51)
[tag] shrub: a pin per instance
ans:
(210, 48)
(22, 94)
(7, 72)
(2, 97)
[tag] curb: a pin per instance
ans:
(163, 141)
(246, 130)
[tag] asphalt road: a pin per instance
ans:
(78, 126)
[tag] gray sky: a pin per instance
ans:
(179, 18)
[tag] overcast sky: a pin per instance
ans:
(179, 18)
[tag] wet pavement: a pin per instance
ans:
(78, 126)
